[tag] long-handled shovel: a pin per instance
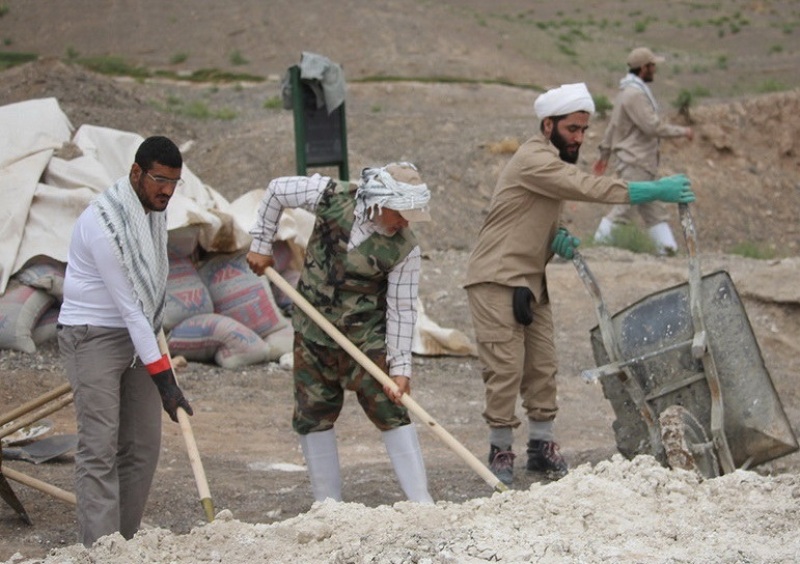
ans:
(191, 445)
(385, 380)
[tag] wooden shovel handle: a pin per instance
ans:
(49, 489)
(191, 445)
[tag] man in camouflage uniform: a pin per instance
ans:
(361, 272)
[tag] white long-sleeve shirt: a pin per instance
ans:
(403, 281)
(97, 290)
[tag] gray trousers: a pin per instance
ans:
(118, 410)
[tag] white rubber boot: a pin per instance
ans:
(322, 460)
(404, 451)
(603, 233)
(661, 234)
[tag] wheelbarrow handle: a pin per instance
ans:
(701, 348)
(700, 343)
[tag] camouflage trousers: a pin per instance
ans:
(321, 376)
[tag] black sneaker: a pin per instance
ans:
(543, 456)
(501, 463)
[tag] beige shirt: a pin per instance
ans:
(525, 212)
(634, 131)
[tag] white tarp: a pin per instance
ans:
(43, 193)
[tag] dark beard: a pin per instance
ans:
(563, 150)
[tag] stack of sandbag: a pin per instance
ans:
(218, 310)
(29, 307)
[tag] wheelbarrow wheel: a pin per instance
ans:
(686, 443)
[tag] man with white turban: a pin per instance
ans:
(361, 273)
(506, 284)
(633, 136)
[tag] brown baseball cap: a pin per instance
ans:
(642, 56)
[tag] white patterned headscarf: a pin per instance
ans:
(396, 186)
(139, 241)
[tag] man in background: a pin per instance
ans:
(633, 136)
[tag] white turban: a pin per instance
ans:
(565, 99)
(396, 186)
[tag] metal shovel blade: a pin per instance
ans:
(43, 449)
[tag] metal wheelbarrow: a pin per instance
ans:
(685, 375)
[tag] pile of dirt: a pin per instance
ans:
(594, 515)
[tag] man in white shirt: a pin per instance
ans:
(114, 296)
(361, 272)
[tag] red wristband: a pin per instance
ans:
(158, 366)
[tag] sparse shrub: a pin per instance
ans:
(114, 66)
(72, 53)
(8, 60)
(771, 85)
(236, 58)
(776, 49)
(683, 102)
(178, 58)
(631, 238)
(602, 105)
(273, 103)
(4, 9)
(748, 249)
(567, 50)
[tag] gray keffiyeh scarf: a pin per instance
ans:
(636, 82)
(139, 241)
(378, 188)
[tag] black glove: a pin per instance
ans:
(171, 395)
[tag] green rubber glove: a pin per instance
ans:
(564, 244)
(675, 189)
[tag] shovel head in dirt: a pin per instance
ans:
(43, 449)
(755, 423)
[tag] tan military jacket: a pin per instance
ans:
(634, 131)
(525, 212)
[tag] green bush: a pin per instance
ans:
(632, 238)
(602, 105)
(114, 66)
(178, 58)
(8, 60)
(237, 58)
(683, 102)
(273, 103)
